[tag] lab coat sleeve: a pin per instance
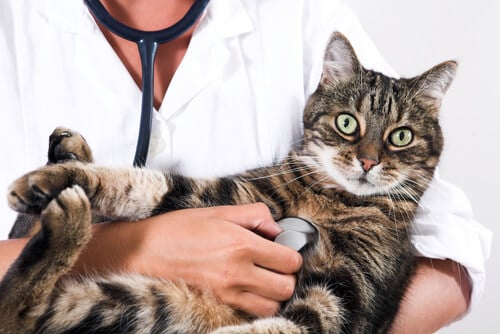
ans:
(445, 227)
(12, 146)
(9, 92)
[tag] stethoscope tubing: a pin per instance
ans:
(147, 43)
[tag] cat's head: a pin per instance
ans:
(368, 133)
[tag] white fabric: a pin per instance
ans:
(235, 101)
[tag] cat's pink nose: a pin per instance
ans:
(367, 164)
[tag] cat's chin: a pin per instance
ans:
(362, 187)
(358, 186)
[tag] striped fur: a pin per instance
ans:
(358, 185)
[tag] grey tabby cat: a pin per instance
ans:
(370, 147)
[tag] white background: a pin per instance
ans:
(415, 35)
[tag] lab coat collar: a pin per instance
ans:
(223, 19)
(70, 16)
(229, 17)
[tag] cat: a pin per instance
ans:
(369, 150)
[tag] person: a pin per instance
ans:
(228, 95)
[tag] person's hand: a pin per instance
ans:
(218, 248)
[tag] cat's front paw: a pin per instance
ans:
(67, 220)
(68, 145)
(267, 325)
(32, 192)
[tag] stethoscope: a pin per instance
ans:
(297, 231)
(147, 42)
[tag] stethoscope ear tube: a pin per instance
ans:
(147, 42)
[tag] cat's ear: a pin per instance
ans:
(340, 62)
(431, 86)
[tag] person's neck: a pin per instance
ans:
(148, 14)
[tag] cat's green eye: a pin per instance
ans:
(401, 137)
(347, 124)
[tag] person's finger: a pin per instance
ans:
(270, 285)
(255, 217)
(276, 257)
(254, 304)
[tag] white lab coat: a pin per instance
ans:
(234, 103)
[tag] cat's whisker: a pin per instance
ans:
(409, 192)
(413, 193)
(288, 170)
(312, 185)
(298, 178)
(421, 183)
(408, 212)
(283, 172)
(392, 213)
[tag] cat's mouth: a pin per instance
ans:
(360, 180)
(363, 180)
(364, 185)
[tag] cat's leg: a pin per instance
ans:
(25, 226)
(275, 325)
(65, 148)
(133, 193)
(26, 288)
(318, 311)
(117, 193)
(64, 145)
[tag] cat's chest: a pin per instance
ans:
(357, 233)
(325, 211)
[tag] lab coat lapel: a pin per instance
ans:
(63, 14)
(103, 67)
(207, 53)
(101, 81)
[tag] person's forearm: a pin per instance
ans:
(214, 248)
(109, 249)
(10, 250)
(438, 295)
(92, 260)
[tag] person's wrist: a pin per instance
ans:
(111, 248)
(10, 250)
